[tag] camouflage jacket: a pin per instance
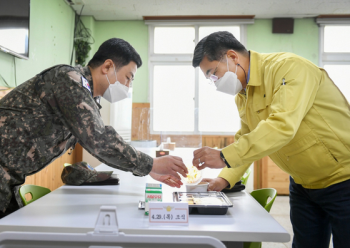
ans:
(45, 116)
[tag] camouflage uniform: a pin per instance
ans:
(44, 117)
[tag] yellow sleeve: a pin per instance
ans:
(233, 175)
(290, 104)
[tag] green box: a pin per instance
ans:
(153, 192)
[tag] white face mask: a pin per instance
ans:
(115, 92)
(229, 83)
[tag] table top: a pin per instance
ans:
(75, 209)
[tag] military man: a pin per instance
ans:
(48, 114)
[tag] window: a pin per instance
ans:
(336, 39)
(182, 100)
(14, 39)
(173, 105)
(173, 40)
(335, 51)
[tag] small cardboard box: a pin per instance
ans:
(170, 146)
(153, 192)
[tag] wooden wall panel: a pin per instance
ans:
(218, 141)
(264, 173)
(257, 175)
(140, 121)
(268, 175)
(277, 179)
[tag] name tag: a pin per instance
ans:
(168, 213)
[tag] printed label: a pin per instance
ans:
(168, 213)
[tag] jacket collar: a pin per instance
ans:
(256, 75)
(87, 74)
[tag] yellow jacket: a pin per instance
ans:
(302, 125)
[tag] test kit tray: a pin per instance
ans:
(204, 202)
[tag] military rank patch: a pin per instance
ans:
(85, 83)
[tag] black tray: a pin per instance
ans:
(214, 203)
(238, 187)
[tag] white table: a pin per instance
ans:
(75, 209)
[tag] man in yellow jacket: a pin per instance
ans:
(291, 111)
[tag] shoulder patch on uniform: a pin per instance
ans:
(90, 167)
(85, 83)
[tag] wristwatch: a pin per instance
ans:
(223, 159)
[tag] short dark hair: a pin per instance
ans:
(215, 45)
(118, 50)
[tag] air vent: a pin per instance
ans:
(282, 25)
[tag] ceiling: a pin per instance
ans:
(136, 9)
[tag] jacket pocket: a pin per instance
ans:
(300, 145)
(262, 111)
(310, 160)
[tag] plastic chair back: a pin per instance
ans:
(246, 175)
(262, 195)
(35, 191)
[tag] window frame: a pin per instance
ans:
(185, 59)
(327, 58)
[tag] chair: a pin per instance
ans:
(261, 196)
(35, 191)
(246, 175)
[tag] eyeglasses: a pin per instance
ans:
(129, 82)
(213, 78)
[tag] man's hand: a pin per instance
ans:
(169, 165)
(167, 179)
(216, 184)
(207, 157)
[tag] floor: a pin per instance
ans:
(280, 211)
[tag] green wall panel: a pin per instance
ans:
(50, 41)
(89, 23)
(303, 42)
